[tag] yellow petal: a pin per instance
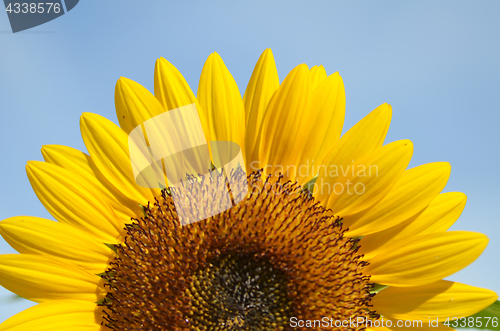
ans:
(171, 89)
(356, 186)
(60, 315)
(442, 212)
(82, 166)
(134, 104)
(261, 87)
(318, 74)
(41, 278)
(282, 129)
(363, 138)
(327, 112)
(173, 92)
(426, 259)
(440, 299)
(33, 235)
(221, 103)
(71, 202)
(412, 193)
(108, 147)
(316, 122)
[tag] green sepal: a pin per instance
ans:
(11, 298)
(377, 288)
(143, 210)
(492, 311)
(112, 247)
(309, 186)
(105, 273)
(103, 301)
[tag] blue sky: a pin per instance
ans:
(436, 63)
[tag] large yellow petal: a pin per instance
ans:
(318, 74)
(426, 259)
(33, 235)
(412, 193)
(261, 87)
(221, 102)
(108, 147)
(310, 125)
(69, 201)
(41, 278)
(82, 166)
(441, 299)
(363, 138)
(282, 130)
(173, 92)
(326, 115)
(60, 315)
(171, 89)
(134, 104)
(356, 186)
(442, 212)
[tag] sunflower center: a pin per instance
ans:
(239, 292)
(275, 257)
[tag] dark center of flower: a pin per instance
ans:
(239, 293)
(274, 258)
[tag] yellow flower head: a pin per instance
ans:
(319, 222)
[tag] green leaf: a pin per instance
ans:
(491, 313)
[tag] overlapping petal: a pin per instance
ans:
(442, 212)
(82, 167)
(60, 315)
(359, 184)
(327, 112)
(69, 201)
(221, 102)
(171, 89)
(261, 87)
(363, 138)
(318, 74)
(411, 194)
(108, 147)
(33, 235)
(134, 104)
(41, 278)
(441, 299)
(426, 259)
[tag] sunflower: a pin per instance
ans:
(324, 223)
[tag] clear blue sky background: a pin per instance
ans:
(437, 63)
